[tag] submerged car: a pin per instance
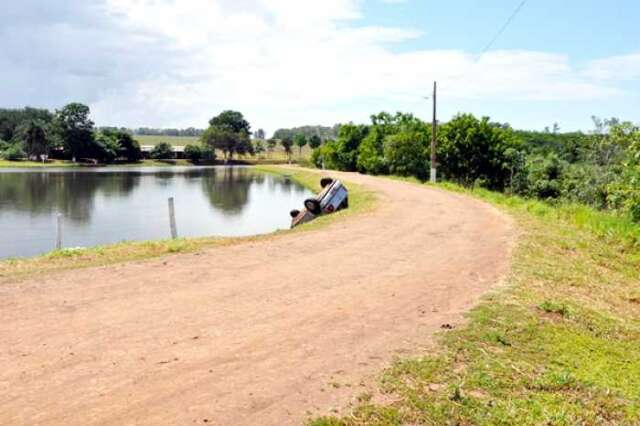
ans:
(333, 197)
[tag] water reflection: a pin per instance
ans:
(71, 193)
(115, 204)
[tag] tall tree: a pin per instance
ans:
(287, 143)
(300, 140)
(229, 132)
(260, 134)
(35, 138)
(315, 141)
(75, 129)
(232, 121)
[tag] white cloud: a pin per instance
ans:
(284, 62)
(624, 67)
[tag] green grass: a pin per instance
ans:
(172, 140)
(35, 164)
(361, 201)
(558, 345)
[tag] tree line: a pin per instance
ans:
(322, 132)
(68, 132)
(149, 131)
(600, 168)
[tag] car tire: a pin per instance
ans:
(324, 182)
(294, 213)
(312, 205)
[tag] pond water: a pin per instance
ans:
(110, 205)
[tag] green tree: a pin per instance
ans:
(193, 153)
(34, 134)
(472, 150)
(12, 119)
(230, 133)
(231, 120)
(315, 141)
(260, 134)
(129, 147)
(405, 153)
(342, 154)
(258, 146)
(287, 143)
(162, 151)
(300, 141)
(271, 145)
(75, 130)
(624, 192)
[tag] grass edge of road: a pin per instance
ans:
(556, 345)
(361, 199)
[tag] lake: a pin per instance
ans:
(110, 205)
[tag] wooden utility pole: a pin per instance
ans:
(434, 131)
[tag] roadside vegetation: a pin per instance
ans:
(557, 344)
(600, 169)
(360, 198)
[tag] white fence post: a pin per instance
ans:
(59, 232)
(172, 219)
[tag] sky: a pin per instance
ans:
(284, 63)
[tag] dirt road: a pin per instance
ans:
(261, 333)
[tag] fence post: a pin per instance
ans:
(172, 219)
(59, 232)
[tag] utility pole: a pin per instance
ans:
(434, 131)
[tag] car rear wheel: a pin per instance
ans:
(312, 205)
(324, 182)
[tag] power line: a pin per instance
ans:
(503, 28)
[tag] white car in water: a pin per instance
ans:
(333, 197)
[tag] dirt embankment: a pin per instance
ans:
(257, 333)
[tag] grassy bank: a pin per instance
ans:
(361, 200)
(558, 345)
(35, 164)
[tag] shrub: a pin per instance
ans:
(471, 150)
(371, 156)
(162, 151)
(208, 153)
(406, 154)
(14, 153)
(193, 153)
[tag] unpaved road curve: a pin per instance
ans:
(257, 333)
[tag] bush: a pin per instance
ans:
(14, 153)
(406, 154)
(208, 153)
(472, 150)
(193, 153)
(544, 176)
(162, 151)
(371, 156)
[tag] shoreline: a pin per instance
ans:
(19, 268)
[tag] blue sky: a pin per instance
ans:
(167, 63)
(583, 30)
